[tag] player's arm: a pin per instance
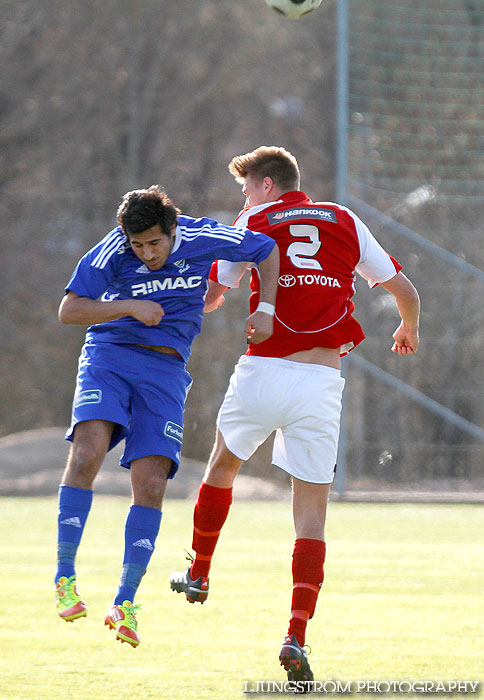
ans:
(223, 275)
(408, 303)
(241, 246)
(260, 325)
(93, 275)
(214, 297)
(84, 311)
(377, 267)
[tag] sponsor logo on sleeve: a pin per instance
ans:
(88, 396)
(109, 297)
(277, 217)
(174, 431)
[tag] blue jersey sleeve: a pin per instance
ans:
(210, 240)
(97, 268)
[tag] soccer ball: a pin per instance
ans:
(293, 9)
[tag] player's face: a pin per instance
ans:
(257, 191)
(152, 246)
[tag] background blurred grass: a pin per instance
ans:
(403, 599)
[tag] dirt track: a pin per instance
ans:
(32, 462)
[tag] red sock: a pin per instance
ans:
(307, 575)
(211, 510)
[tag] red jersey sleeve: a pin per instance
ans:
(214, 272)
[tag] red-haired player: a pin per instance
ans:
(291, 383)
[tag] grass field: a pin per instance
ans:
(403, 599)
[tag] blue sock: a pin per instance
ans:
(74, 507)
(141, 530)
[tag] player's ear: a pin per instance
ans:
(268, 183)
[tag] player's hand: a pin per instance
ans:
(259, 326)
(148, 312)
(214, 296)
(214, 305)
(406, 340)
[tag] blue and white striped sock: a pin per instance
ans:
(74, 507)
(141, 529)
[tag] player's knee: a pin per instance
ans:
(156, 484)
(222, 459)
(223, 463)
(149, 491)
(309, 523)
(85, 458)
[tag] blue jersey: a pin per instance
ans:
(111, 270)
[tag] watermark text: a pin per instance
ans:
(384, 687)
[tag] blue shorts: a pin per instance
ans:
(142, 391)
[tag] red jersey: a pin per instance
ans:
(321, 245)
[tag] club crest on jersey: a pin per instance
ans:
(182, 265)
(302, 213)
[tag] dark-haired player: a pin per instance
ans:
(291, 382)
(141, 291)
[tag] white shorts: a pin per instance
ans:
(301, 401)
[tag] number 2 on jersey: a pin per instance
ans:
(302, 253)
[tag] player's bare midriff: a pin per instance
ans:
(317, 356)
(161, 348)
